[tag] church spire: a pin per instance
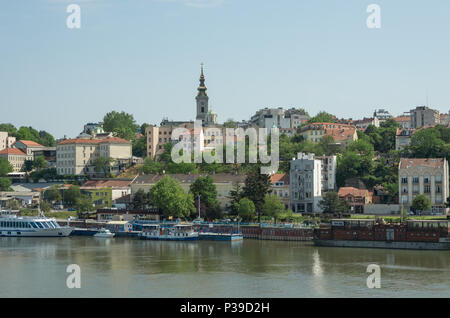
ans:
(202, 87)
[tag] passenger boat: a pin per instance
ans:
(413, 234)
(104, 233)
(219, 233)
(168, 232)
(12, 225)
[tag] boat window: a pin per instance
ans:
(39, 224)
(33, 225)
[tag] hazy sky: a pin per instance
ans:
(143, 57)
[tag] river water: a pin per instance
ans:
(126, 267)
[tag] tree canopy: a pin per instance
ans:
(121, 124)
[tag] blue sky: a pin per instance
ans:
(143, 57)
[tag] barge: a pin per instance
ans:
(413, 234)
(168, 232)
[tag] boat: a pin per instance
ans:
(219, 233)
(365, 233)
(104, 233)
(211, 236)
(13, 225)
(168, 232)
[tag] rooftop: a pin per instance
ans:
(344, 191)
(30, 143)
(426, 162)
(93, 141)
(12, 151)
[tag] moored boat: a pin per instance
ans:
(413, 234)
(23, 226)
(168, 232)
(104, 233)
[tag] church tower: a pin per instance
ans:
(202, 99)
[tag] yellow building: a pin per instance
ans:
(76, 156)
(342, 134)
(16, 158)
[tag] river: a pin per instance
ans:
(126, 267)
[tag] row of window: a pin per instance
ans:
(426, 179)
(24, 225)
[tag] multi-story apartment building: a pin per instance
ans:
(424, 176)
(423, 116)
(157, 137)
(278, 117)
(404, 121)
(76, 156)
(342, 134)
(403, 138)
(382, 115)
(224, 184)
(305, 183)
(328, 169)
(16, 157)
(280, 187)
(6, 141)
(366, 122)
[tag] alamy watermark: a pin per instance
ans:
(374, 279)
(74, 279)
(188, 141)
(374, 19)
(73, 21)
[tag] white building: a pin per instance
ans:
(305, 183)
(423, 116)
(424, 176)
(6, 141)
(328, 172)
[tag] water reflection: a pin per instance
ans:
(132, 267)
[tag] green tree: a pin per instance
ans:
(102, 164)
(39, 163)
(53, 194)
(141, 200)
(246, 209)
(322, 117)
(230, 123)
(45, 206)
(205, 187)
(121, 124)
(421, 203)
(331, 203)
(234, 197)
(5, 184)
(83, 204)
(272, 207)
(27, 133)
(72, 194)
(168, 195)
(46, 139)
(9, 128)
(257, 185)
(27, 166)
(151, 167)
(139, 147)
(5, 167)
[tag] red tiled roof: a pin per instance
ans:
(93, 141)
(12, 151)
(107, 183)
(340, 134)
(279, 177)
(402, 118)
(344, 191)
(428, 162)
(30, 143)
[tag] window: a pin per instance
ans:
(416, 180)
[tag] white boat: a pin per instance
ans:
(168, 232)
(104, 233)
(12, 225)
